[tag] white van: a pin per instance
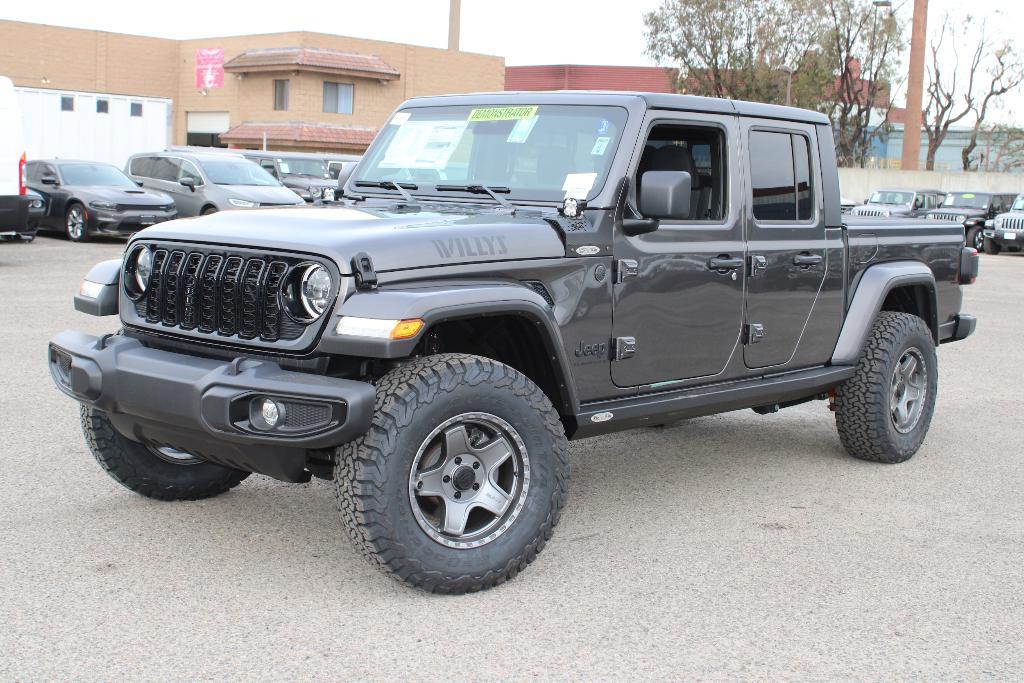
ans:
(13, 196)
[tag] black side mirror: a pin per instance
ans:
(139, 183)
(190, 183)
(663, 195)
(49, 180)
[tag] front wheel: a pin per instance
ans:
(991, 248)
(75, 223)
(976, 238)
(461, 478)
(154, 472)
(883, 412)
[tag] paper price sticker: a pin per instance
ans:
(577, 185)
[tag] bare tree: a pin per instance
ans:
(733, 48)
(1005, 74)
(863, 46)
(947, 101)
(1003, 149)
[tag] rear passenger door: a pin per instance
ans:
(785, 239)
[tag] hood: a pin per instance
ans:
(123, 195)
(263, 194)
(891, 208)
(394, 239)
(969, 212)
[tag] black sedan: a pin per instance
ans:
(86, 198)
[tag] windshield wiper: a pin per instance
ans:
(389, 185)
(479, 189)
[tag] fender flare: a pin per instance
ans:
(443, 302)
(875, 284)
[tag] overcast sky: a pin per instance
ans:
(523, 31)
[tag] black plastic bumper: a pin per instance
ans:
(202, 405)
(960, 327)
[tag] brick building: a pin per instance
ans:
(303, 91)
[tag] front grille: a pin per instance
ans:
(206, 291)
(867, 212)
(1011, 223)
(952, 217)
(145, 207)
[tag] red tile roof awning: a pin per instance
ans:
(312, 59)
(297, 133)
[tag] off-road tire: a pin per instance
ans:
(991, 248)
(136, 468)
(863, 411)
(372, 473)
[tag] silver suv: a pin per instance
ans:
(205, 183)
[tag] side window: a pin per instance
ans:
(700, 151)
(165, 168)
(189, 170)
(268, 166)
(142, 167)
(780, 177)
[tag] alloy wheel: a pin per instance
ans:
(908, 390)
(76, 223)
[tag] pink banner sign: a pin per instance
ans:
(209, 68)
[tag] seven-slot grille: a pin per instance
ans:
(953, 217)
(220, 294)
(1011, 223)
(867, 212)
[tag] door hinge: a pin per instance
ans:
(625, 347)
(626, 268)
(753, 333)
(758, 264)
(362, 266)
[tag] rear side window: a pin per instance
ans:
(33, 172)
(141, 166)
(780, 175)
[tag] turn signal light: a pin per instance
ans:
(407, 329)
(375, 328)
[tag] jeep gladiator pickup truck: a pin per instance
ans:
(503, 273)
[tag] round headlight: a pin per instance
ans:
(143, 268)
(315, 289)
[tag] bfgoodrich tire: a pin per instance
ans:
(883, 412)
(162, 474)
(461, 478)
(991, 248)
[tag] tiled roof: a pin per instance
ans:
(276, 59)
(298, 132)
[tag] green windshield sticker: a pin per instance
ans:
(503, 113)
(967, 195)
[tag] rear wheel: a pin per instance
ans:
(461, 478)
(883, 412)
(156, 472)
(208, 210)
(991, 247)
(75, 223)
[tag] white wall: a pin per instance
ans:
(858, 183)
(88, 135)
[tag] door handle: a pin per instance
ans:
(723, 263)
(807, 260)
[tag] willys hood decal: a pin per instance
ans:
(394, 239)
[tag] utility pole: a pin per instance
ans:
(789, 71)
(454, 19)
(915, 88)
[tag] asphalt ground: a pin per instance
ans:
(733, 546)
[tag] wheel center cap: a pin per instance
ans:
(464, 478)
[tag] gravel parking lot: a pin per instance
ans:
(731, 546)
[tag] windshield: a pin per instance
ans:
(313, 167)
(95, 174)
(1018, 203)
(891, 197)
(237, 173)
(967, 200)
(538, 152)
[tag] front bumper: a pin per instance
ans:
(1006, 239)
(202, 405)
(126, 222)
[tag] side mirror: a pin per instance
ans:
(190, 183)
(663, 195)
(49, 180)
(139, 183)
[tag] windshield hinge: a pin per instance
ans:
(362, 268)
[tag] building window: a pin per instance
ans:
(281, 95)
(67, 102)
(337, 98)
(102, 106)
(203, 140)
(136, 108)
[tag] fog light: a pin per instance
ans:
(266, 413)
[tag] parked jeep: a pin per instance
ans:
(972, 209)
(1005, 232)
(903, 203)
(507, 272)
(307, 175)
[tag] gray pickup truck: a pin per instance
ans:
(504, 273)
